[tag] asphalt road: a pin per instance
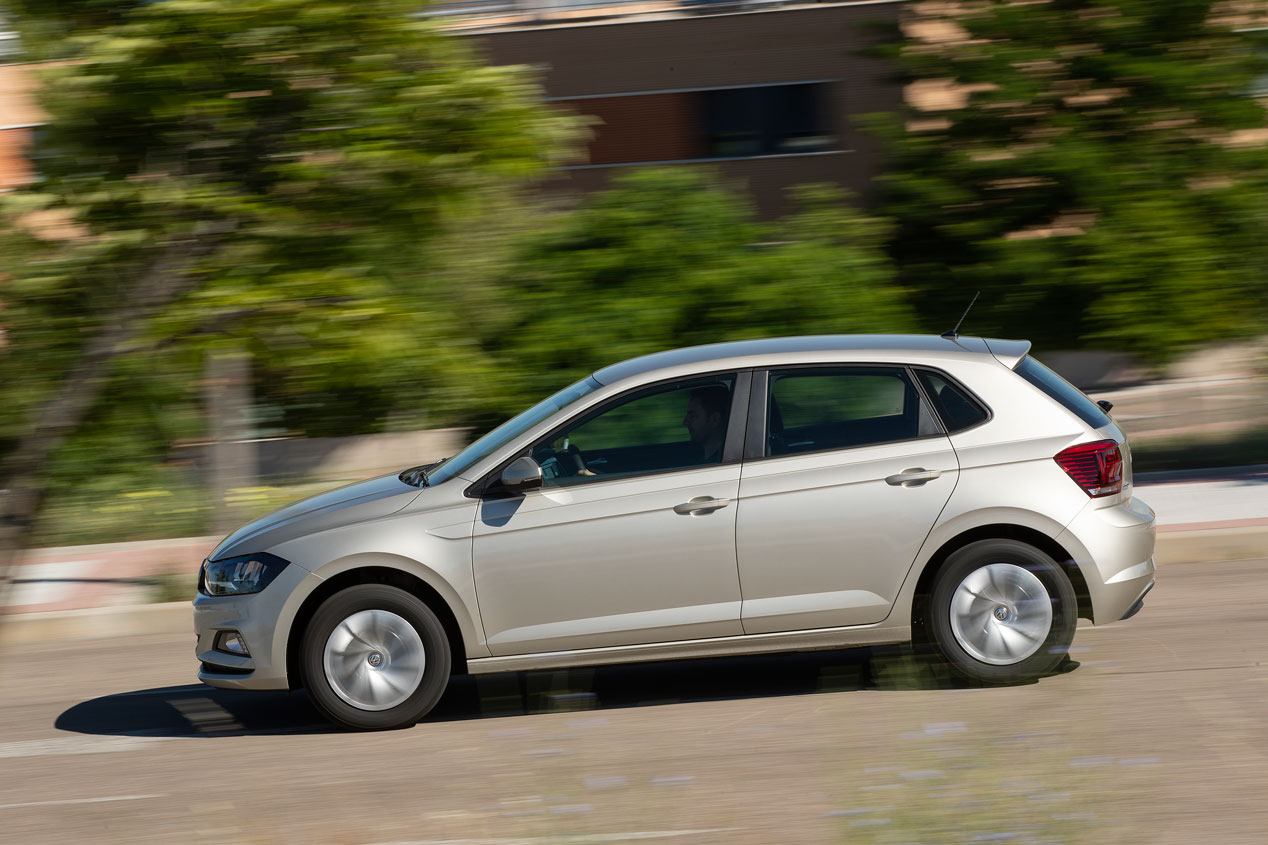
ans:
(1159, 735)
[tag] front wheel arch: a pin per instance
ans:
(371, 575)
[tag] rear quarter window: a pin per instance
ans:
(959, 410)
(1070, 397)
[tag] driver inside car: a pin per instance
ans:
(705, 420)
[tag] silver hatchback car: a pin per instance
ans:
(761, 496)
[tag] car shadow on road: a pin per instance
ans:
(197, 710)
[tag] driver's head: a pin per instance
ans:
(706, 412)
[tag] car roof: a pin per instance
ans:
(788, 350)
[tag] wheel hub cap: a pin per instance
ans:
(1001, 613)
(374, 659)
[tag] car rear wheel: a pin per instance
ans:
(375, 657)
(1002, 612)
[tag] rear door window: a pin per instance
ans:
(1070, 397)
(815, 409)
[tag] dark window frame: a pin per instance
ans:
(732, 448)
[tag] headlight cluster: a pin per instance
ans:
(236, 576)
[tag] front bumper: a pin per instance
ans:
(264, 620)
(1114, 549)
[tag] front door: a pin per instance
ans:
(850, 473)
(631, 538)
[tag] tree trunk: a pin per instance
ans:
(63, 412)
(231, 454)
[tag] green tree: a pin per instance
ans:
(1088, 169)
(262, 174)
(668, 257)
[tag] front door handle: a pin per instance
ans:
(701, 504)
(912, 477)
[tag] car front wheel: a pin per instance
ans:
(375, 657)
(1002, 612)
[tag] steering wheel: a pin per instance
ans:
(570, 461)
(564, 462)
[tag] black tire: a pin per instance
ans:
(437, 663)
(1049, 653)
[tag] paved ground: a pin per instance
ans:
(1160, 735)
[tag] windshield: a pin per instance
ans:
(509, 430)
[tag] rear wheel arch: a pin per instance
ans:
(998, 531)
(390, 576)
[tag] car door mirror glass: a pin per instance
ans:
(523, 474)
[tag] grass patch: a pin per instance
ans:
(1249, 446)
(98, 514)
(946, 783)
(177, 586)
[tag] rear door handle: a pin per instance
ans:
(915, 477)
(701, 504)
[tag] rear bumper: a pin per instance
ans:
(1114, 549)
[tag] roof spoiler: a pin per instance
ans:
(1008, 352)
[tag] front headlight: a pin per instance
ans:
(236, 576)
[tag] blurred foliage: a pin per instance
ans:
(173, 587)
(116, 507)
(341, 191)
(669, 257)
(1088, 177)
(277, 173)
(1228, 449)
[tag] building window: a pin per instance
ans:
(712, 123)
(770, 120)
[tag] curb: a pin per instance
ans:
(96, 623)
(1206, 545)
(1209, 545)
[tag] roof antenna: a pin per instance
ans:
(954, 333)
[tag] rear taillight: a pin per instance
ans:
(1096, 467)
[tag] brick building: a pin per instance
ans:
(763, 90)
(19, 117)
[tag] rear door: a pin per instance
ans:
(846, 470)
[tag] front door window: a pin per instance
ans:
(662, 429)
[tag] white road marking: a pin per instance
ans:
(578, 839)
(87, 744)
(81, 801)
(206, 715)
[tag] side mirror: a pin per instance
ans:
(523, 474)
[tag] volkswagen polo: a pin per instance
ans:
(762, 496)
